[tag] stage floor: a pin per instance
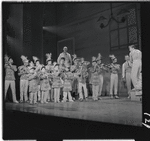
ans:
(118, 111)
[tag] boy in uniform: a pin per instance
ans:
(10, 70)
(23, 72)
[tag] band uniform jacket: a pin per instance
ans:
(56, 80)
(38, 71)
(49, 68)
(82, 77)
(68, 77)
(61, 68)
(24, 71)
(75, 80)
(33, 82)
(101, 69)
(114, 68)
(44, 82)
(95, 78)
(10, 72)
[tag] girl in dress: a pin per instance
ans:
(56, 83)
(33, 85)
(44, 84)
(67, 87)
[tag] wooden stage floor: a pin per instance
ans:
(118, 111)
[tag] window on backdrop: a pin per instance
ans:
(124, 34)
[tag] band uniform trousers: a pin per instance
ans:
(44, 96)
(100, 85)
(135, 72)
(128, 82)
(113, 84)
(65, 96)
(95, 89)
(80, 90)
(39, 93)
(33, 97)
(10, 83)
(23, 90)
(56, 94)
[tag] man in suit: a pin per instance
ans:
(136, 60)
(65, 55)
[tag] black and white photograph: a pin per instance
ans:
(74, 70)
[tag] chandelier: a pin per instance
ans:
(122, 14)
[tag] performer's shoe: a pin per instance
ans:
(134, 89)
(99, 98)
(27, 101)
(21, 101)
(111, 97)
(129, 97)
(95, 99)
(71, 101)
(116, 97)
(16, 101)
(80, 99)
(30, 103)
(63, 101)
(86, 99)
(46, 102)
(42, 102)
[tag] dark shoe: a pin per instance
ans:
(129, 97)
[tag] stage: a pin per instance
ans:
(118, 111)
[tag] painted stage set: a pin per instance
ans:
(118, 111)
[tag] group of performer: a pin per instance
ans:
(60, 81)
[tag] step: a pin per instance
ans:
(136, 95)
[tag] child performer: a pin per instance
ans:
(74, 69)
(23, 72)
(62, 70)
(114, 68)
(49, 69)
(38, 69)
(95, 80)
(102, 68)
(67, 87)
(126, 74)
(33, 85)
(82, 76)
(57, 83)
(44, 84)
(10, 69)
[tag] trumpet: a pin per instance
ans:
(111, 66)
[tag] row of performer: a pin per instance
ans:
(58, 81)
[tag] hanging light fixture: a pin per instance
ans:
(122, 14)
